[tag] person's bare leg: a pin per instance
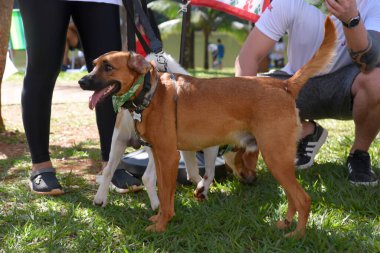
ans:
(43, 165)
(366, 109)
(307, 128)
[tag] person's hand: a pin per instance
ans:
(344, 10)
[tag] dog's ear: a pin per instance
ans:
(138, 63)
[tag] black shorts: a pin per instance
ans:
(325, 97)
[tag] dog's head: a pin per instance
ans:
(114, 73)
(242, 164)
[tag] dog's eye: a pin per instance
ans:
(107, 67)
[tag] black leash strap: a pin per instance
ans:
(132, 29)
(131, 39)
(156, 44)
(131, 7)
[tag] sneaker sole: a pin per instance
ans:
(54, 192)
(133, 188)
(375, 183)
(315, 151)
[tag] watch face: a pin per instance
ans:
(354, 22)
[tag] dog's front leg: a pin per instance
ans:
(166, 161)
(149, 179)
(203, 186)
(122, 132)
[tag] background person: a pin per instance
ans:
(72, 44)
(213, 48)
(349, 89)
(277, 55)
(220, 53)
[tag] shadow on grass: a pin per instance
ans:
(79, 158)
(236, 217)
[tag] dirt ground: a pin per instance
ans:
(72, 123)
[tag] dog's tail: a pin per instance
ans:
(320, 60)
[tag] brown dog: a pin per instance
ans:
(191, 114)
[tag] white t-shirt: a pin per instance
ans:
(118, 2)
(304, 24)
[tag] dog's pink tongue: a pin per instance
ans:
(94, 99)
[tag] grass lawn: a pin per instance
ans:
(235, 218)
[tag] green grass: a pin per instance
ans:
(235, 218)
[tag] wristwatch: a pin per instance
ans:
(353, 21)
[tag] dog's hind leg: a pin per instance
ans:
(203, 186)
(283, 169)
(122, 133)
(149, 179)
(192, 168)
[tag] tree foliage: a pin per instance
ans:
(203, 19)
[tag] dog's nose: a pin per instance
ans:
(247, 178)
(84, 82)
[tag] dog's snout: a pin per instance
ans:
(85, 82)
(248, 178)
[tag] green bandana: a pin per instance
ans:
(118, 101)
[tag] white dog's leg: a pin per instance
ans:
(203, 186)
(122, 132)
(149, 180)
(191, 164)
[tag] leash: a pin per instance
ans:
(132, 6)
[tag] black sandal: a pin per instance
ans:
(123, 182)
(45, 182)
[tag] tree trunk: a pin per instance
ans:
(206, 65)
(6, 7)
(187, 42)
(191, 49)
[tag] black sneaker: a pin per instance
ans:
(45, 182)
(309, 146)
(359, 169)
(123, 182)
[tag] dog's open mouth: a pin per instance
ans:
(100, 95)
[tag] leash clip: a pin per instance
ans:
(136, 116)
(183, 7)
(162, 62)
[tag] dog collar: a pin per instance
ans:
(119, 101)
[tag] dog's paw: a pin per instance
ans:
(155, 203)
(100, 200)
(156, 228)
(200, 194)
(154, 218)
(297, 234)
(283, 224)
